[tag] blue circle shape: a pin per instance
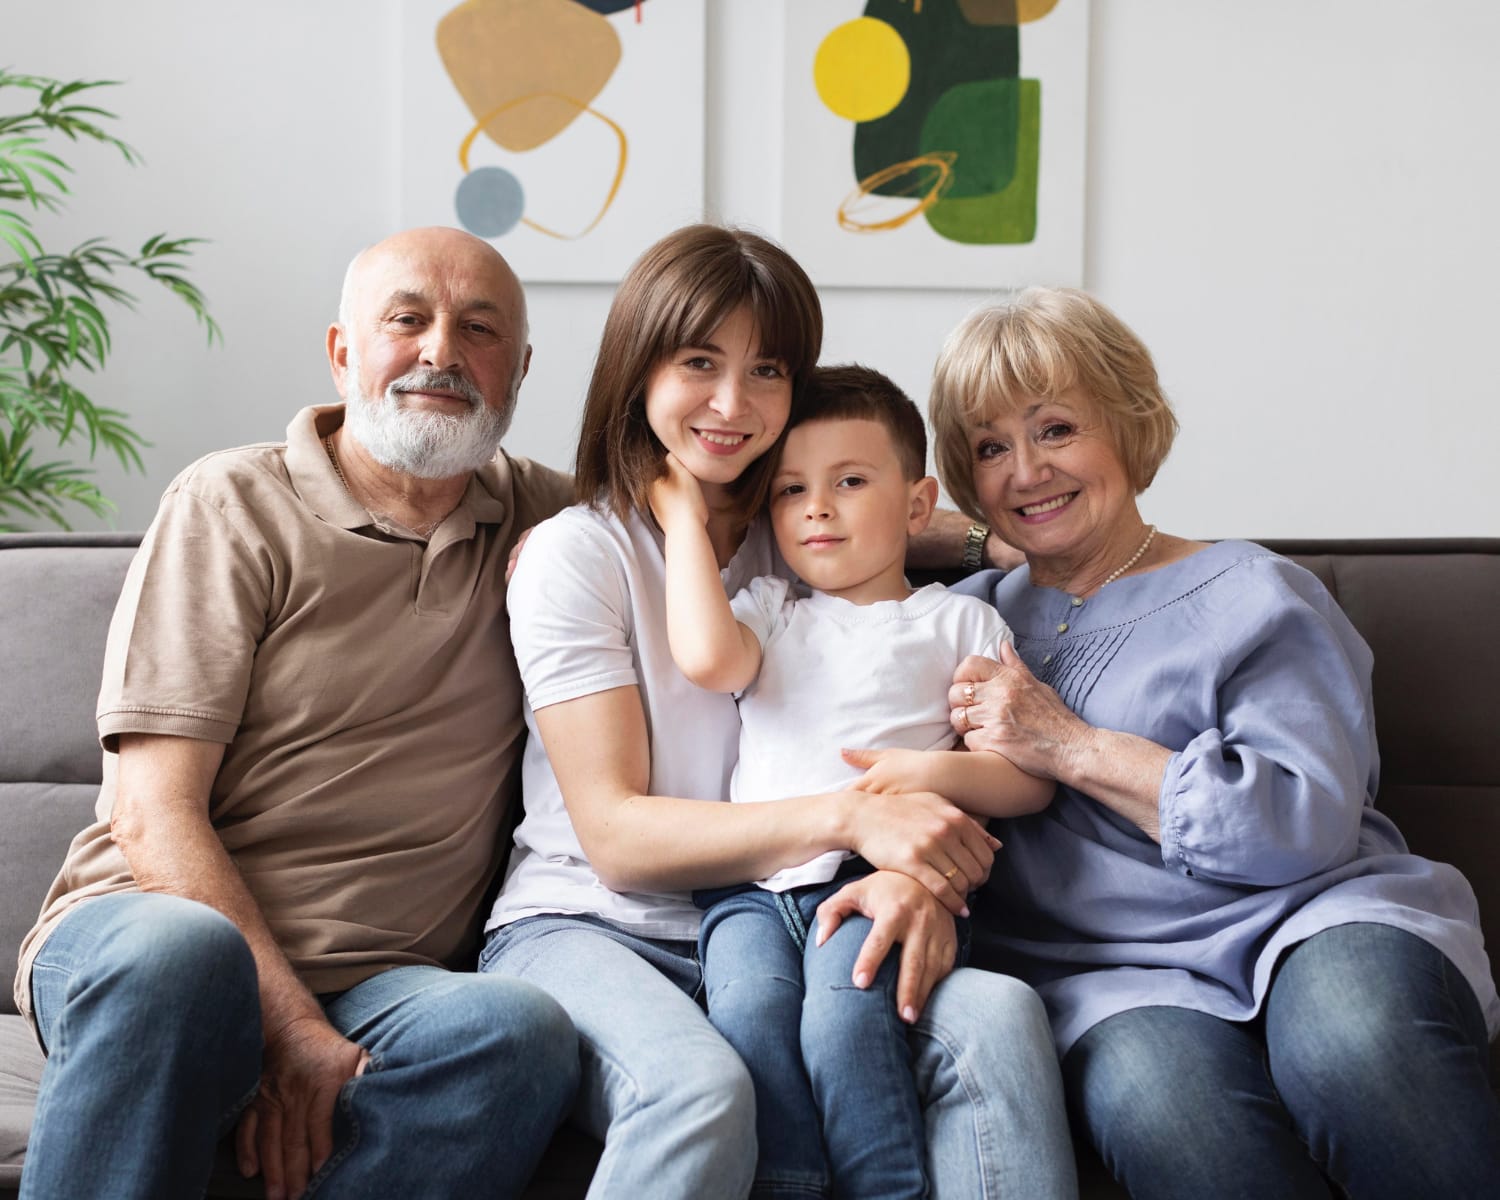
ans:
(489, 201)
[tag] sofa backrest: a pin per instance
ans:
(1428, 608)
(56, 596)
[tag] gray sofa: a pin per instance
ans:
(1430, 610)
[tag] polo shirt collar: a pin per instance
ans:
(318, 484)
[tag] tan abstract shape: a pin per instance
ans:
(498, 51)
(1005, 12)
(553, 97)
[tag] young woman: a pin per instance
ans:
(706, 346)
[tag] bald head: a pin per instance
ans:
(434, 244)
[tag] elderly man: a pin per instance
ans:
(309, 711)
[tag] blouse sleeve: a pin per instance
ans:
(1274, 792)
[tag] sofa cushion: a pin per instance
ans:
(52, 597)
(37, 821)
(20, 1072)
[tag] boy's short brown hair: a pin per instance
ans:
(852, 393)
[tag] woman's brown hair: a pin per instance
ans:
(675, 295)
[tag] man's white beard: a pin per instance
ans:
(426, 445)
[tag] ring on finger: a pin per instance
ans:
(950, 872)
(968, 694)
(964, 713)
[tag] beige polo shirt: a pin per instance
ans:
(362, 682)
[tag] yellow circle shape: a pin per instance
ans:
(862, 69)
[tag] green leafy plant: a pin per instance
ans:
(53, 323)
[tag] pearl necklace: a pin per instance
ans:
(1132, 560)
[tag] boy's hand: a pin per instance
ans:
(678, 497)
(892, 770)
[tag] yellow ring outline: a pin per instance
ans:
(614, 187)
(941, 159)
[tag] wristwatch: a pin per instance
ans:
(974, 541)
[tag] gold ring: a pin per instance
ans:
(950, 872)
(968, 694)
(964, 713)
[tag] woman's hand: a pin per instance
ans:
(902, 911)
(1002, 706)
(678, 496)
(922, 836)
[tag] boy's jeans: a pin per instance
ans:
(830, 1062)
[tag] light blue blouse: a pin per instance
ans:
(1239, 662)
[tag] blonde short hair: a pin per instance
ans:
(1043, 343)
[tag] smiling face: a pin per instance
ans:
(720, 406)
(430, 350)
(842, 509)
(1052, 484)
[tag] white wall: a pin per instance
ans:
(1293, 202)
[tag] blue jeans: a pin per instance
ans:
(981, 1054)
(665, 1094)
(149, 1009)
(831, 1062)
(1368, 1067)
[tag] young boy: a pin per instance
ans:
(854, 659)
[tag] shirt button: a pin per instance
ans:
(1077, 601)
(1062, 627)
(1046, 659)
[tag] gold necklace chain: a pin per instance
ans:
(334, 459)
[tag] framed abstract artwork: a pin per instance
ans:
(567, 132)
(936, 143)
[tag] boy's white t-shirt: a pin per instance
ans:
(836, 675)
(588, 613)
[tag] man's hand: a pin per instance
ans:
(677, 497)
(287, 1132)
(902, 911)
(514, 556)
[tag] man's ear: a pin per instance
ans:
(338, 357)
(924, 494)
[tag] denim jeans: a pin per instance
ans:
(669, 1099)
(681, 1115)
(148, 1007)
(1368, 1068)
(830, 1062)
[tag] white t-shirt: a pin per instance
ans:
(836, 675)
(587, 614)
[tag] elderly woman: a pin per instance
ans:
(1254, 987)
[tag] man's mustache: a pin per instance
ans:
(438, 381)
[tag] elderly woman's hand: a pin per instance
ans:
(1002, 706)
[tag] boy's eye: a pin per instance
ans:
(851, 481)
